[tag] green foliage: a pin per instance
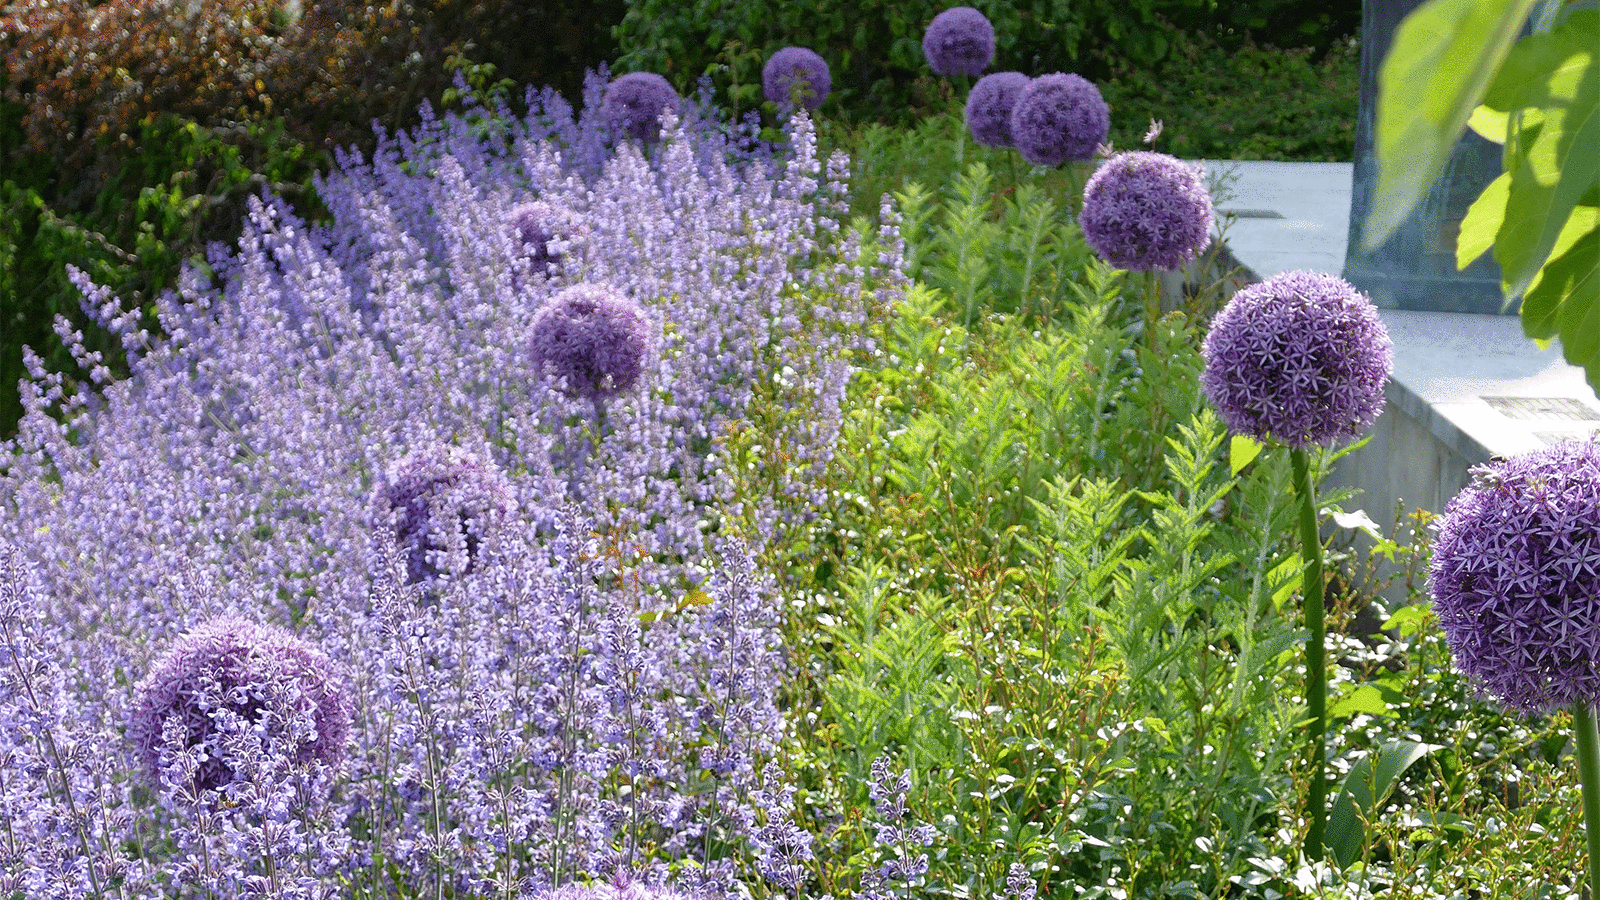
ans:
(1540, 97)
(1249, 102)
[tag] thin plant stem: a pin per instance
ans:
(1316, 670)
(1583, 721)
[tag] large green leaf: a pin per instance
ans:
(1551, 166)
(1568, 283)
(1438, 68)
(1366, 788)
(1483, 220)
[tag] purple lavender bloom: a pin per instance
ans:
(540, 232)
(796, 68)
(959, 41)
(1515, 577)
(596, 340)
(627, 890)
(989, 107)
(634, 103)
(1300, 358)
(258, 672)
(1144, 210)
(443, 503)
(1059, 118)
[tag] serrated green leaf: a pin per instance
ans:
(1482, 222)
(1436, 71)
(1242, 450)
(1559, 73)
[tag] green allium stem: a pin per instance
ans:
(1583, 721)
(1316, 670)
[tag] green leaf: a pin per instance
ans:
(1370, 699)
(1558, 73)
(1482, 221)
(1568, 287)
(1490, 124)
(1437, 69)
(1366, 788)
(1242, 450)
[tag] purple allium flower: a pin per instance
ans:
(1059, 118)
(1301, 358)
(260, 673)
(540, 231)
(796, 68)
(442, 503)
(959, 41)
(1144, 210)
(1515, 577)
(634, 103)
(989, 107)
(594, 338)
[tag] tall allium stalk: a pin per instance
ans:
(1300, 361)
(1515, 579)
(242, 471)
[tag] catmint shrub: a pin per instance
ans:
(1515, 578)
(634, 103)
(989, 107)
(258, 675)
(594, 341)
(796, 73)
(959, 41)
(1300, 358)
(441, 504)
(1059, 118)
(1145, 210)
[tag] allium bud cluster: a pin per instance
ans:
(1059, 118)
(634, 103)
(541, 233)
(989, 107)
(1515, 577)
(262, 674)
(959, 41)
(796, 73)
(594, 340)
(1144, 210)
(1301, 358)
(442, 504)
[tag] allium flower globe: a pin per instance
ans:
(1144, 210)
(1515, 577)
(540, 232)
(1059, 118)
(989, 107)
(1301, 358)
(796, 72)
(260, 673)
(959, 41)
(595, 340)
(634, 102)
(442, 504)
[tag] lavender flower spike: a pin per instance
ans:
(597, 341)
(1059, 118)
(540, 233)
(1515, 578)
(1301, 358)
(959, 41)
(261, 673)
(442, 503)
(1144, 211)
(634, 102)
(989, 107)
(796, 68)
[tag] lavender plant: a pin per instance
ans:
(1301, 360)
(1513, 580)
(584, 696)
(541, 233)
